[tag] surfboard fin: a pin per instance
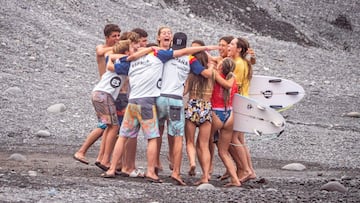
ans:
(262, 108)
(277, 124)
(257, 132)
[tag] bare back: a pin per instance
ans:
(101, 50)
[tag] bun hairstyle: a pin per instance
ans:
(244, 45)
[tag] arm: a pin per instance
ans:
(140, 53)
(192, 50)
(113, 57)
(212, 59)
(101, 50)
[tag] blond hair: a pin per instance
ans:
(121, 47)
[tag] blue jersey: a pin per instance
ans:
(144, 73)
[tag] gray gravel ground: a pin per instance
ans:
(48, 57)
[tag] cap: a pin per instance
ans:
(179, 40)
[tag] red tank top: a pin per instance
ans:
(217, 99)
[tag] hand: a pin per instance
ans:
(251, 52)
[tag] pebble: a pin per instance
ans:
(334, 186)
(353, 114)
(345, 177)
(13, 91)
(17, 157)
(43, 133)
(32, 173)
(205, 186)
(57, 108)
(271, 190)
(294, 167)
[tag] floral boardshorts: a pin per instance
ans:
(198, 111)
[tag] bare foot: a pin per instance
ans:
(107, 175)
(245, 178)
(151, 176)
(200, 182)
(252, 176)
(232, 184)
(80, 158)
(192, 171)
(178, 180)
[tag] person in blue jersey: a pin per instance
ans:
(128, 161)
(106, 92)
(145, 76)
(170, 106)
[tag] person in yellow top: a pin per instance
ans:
(239, 51)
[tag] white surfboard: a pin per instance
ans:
(252, 117)
(278, 93)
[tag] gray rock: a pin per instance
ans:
(334, 186)
(17, 157)
(43, 133)
(345, 177)
(32, 173)
(271, 190)
(205, 186)
(294, 167)
(352, 114)
(13, 91)
(57, 108)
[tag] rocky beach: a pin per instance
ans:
(48, 70)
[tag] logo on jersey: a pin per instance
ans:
(158, 84)
(115, 82)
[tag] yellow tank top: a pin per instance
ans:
(241, 72)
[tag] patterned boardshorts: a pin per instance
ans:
(198, 111)
(105, 108)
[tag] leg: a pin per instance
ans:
(128, 163)
(176, 157)
(171, 151)
(109, 144)
(239, 155)
(94, 135)
(248, 157)
(151, 155)
(212, 153)
(159, 143)
(223, 147)
(203, 152)
(190, 145)
(116, 155)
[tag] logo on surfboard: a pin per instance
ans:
(267, 94)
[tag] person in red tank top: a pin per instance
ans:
(222, 116)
